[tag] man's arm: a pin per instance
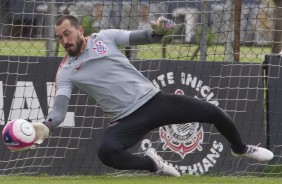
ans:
(161, 27)
(54, 118)
(142, 37)
(58, 113)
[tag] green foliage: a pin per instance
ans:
(87, 23)
(211, 37)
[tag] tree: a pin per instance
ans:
(277, 38)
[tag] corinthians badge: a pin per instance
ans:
(182, 138)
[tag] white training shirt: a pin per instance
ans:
(106, 75)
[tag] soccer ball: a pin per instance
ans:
(18, 135)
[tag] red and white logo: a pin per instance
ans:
(182, 138)
(78, 67)
(100, 48)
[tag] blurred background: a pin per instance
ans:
(216, 30)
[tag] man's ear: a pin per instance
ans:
(81, 30)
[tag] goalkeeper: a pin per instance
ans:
(95, 65)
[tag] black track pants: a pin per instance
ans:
(163, 109)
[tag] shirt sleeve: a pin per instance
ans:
(60, 106)
(63, 85)
(134, 37)
(58, 113)
(119, 36)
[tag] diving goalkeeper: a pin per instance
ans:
(95, 65)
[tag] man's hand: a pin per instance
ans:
(163, 26)
(41, 132)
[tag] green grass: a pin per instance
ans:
(22, 48)
(154, 51)
(274, 170)
(214, 52)
(136, 180)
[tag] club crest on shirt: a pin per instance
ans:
(100, 48)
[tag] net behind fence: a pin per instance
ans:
(199, 60)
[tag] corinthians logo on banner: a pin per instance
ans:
(182, 138)
(185, 139)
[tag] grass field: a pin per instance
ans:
(136, 180)
(154, 51)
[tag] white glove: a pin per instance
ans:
(41, 132)
(163, 26)
(280, 53)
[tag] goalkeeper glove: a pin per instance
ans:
(41, 133)
(163, 26)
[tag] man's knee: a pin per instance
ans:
(107, 153)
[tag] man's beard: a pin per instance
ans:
(78, 45)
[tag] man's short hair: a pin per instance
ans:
(73, 20)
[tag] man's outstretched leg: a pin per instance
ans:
(162, 110)
(180, 109)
